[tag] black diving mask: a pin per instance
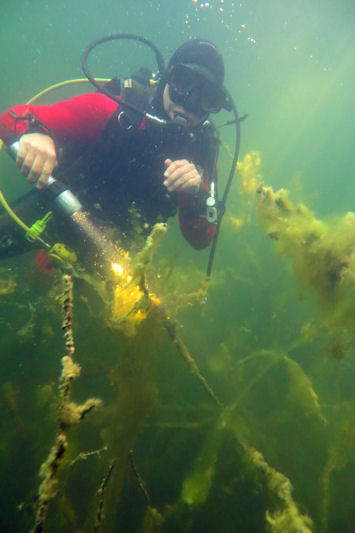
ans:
(195, 89)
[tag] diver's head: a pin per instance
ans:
(194, 82)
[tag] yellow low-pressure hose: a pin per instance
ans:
(12, 214)
(63, 84)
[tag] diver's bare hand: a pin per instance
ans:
(36, 157)
(182, 176)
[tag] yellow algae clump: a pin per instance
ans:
(237, 223)
(132, 300)
(126, 306)
(7, 285)
(322, 255)
(70, 370)
(125, 298)
(285, 515)
(249, 179)
(144, 258)
(71, 413)
(131, 304)
(248, 169)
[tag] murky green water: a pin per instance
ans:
(275, 337)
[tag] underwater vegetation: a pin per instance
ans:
(322, 254)
(182, 405)
(69, 413)
(7, 284)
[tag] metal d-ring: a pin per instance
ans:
(122, 116)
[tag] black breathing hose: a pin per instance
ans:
(158, 56)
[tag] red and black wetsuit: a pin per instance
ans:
(121, 169)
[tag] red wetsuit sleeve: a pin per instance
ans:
(193, 225)
(81, 118)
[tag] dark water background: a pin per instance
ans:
(289, 65)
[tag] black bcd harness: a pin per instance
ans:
(139, 92)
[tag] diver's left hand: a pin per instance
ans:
(181, 176)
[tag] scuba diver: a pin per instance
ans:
(132, 160)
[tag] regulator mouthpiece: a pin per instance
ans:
(180, 119)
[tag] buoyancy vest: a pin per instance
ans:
(124, 173)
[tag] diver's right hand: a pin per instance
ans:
(36, 157)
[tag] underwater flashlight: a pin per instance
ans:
(63, 198)
(69, 205)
